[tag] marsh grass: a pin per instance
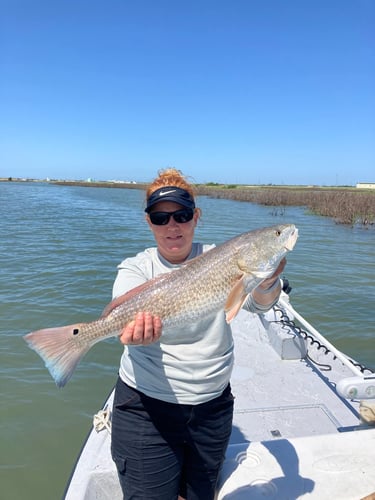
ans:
(345, 205)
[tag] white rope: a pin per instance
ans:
(102, 420)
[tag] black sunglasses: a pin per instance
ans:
(180, 216)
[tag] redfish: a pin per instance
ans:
(219, 279)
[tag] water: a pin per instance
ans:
(59, 251)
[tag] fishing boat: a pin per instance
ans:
(304, 419)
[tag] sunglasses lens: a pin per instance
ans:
(159, 218)
(180, 216)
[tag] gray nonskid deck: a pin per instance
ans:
(291, 433)
(278, 398)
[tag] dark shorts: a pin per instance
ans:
(163, 449)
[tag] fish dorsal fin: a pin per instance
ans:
(123, 298)
(134, 291)
(235, 300)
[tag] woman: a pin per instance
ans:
(173, 406)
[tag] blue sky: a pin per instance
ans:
(232, 91)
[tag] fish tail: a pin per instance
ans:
(58, 349)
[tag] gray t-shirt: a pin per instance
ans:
(191, 364)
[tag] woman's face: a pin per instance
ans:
(174, 240)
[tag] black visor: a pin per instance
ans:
(170, 193)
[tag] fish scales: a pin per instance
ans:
(205, 288)
(219, 279)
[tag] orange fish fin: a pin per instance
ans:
(235, 300)
(123, 298)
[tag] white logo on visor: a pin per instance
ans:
(163, 193)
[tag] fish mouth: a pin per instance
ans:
(291, 241)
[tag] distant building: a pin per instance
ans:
(366, 185)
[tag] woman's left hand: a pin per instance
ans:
(267, 283)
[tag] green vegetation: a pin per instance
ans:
(345, 205)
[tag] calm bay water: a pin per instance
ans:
(59, 250)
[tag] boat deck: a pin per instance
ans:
(286, 398)
(293, 435)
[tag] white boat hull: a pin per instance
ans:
(293, 435)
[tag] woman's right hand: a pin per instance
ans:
(143, 330)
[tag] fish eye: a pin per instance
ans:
(76, 331)
(278, 232)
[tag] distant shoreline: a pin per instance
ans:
(347, 205)
(210, 186)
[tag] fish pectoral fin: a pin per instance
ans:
(235, 300)
(232, 313)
